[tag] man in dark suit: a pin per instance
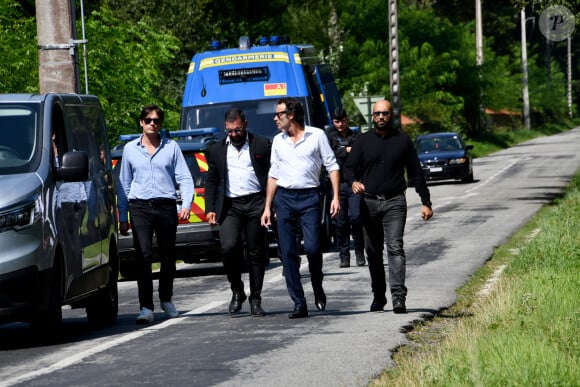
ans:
(238, 166)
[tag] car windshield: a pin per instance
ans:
(259, 113)
(19, 139)
(438, 144)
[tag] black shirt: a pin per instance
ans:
(380, 164)
(339, 144)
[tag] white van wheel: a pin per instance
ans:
(102, 308)
(46, 324)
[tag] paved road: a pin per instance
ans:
(344, 346)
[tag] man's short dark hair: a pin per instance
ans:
(233, 114)
(150, 108)
(339, 114)
(294, 106)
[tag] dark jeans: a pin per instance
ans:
(159, 217)
(299, 208)
(242, 224)
(384, 222)
(349, 222)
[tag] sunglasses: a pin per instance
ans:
(156, 121)
(236, 130)
(385, 113)
(277, 114)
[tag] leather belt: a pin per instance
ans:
(246, 197)
(154, 201)
(380, 197)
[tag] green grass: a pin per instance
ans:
(526, 332)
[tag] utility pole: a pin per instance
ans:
(478, 34)
(394, 63)
(479, 122)
(526, 96)
(569, 77)
(57, 52)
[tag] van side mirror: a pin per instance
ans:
(75, 167)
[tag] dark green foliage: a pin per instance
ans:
(139, 52)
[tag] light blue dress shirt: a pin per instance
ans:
(145, 176)
(297, 166)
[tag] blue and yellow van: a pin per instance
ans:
(253, 77)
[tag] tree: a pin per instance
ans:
(19, 69)
(125, 69)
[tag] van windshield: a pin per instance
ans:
(19, 138)
(259, 113)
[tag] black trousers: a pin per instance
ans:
(159, 217)
(349, 222)
(241, 226)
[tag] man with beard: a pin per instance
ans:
(376, 169)
(239, 164)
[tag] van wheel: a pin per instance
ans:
(102, 308)
(46, 324)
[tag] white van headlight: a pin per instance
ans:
(18, 217)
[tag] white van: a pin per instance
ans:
(58, 241)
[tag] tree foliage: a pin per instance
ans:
(139, 52)
(126, 62)
(19, 63)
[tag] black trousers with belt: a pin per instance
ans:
(241, 228)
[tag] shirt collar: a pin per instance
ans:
(229, 142)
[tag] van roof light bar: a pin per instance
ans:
(178, 133)
(244, 42)
(194, 132)
(279, 39)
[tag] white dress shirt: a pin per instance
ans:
(299, 165)
(241, 177)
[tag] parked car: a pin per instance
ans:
(58, 231)
(196, 241)
(445, 156)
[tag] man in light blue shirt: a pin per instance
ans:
(298, 154)
(152, 168)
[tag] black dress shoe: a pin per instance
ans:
(238, 299)
(378, 305)
(320, 300)
(344, 262)
(360, 258)
(256, 308)
(299, 312)
(399, 306)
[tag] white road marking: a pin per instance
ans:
(109, 343)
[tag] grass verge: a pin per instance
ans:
(525, 331)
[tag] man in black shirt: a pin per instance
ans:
(348, 221)
(375, 169)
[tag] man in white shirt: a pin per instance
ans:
(298, 154)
